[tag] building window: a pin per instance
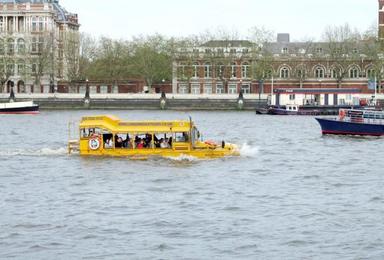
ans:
(268, 74)
(1, 47)
(21, 46)
(11, 46)
(41, 24)
(245, 51)
(319, 73)
(284, 73)
(208, 51)
(233, 70)
(335, 73)
(232, 89)
(207, 88)
(103, 89)
(220, 51)
(195, 88)
(34, 24)
(319, 50)
(219, 89)
(207, 70)
(246, 89)
(1, 24)
(219, 71)
(195, 72)
(11, 69)
(181, 71)
(183, 89)
(233, 51)
(301, 73)
(371, 73)
(244, 70)
(34, 68)
(284, 50)
(292, 97)
(20, 68)
(353, 73)
(35, 45)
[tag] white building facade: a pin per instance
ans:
(35, 50)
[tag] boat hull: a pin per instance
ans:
(301, 112)
(336, 127)
(229, 150)
(20, 110)
(27, 107)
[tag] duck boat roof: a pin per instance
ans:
(115, 124)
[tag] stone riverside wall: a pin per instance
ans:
(141, 101)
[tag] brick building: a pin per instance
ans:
(232, 67)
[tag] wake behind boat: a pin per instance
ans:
(25, 107)
(363, 122)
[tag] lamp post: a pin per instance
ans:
(86, 89)
(51, 86)
(261, 87)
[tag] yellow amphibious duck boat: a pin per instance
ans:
(109, 136)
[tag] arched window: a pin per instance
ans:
(319, 72)
(301, 73)
(353, 73)
(371, 73)
(207, 70)
(41, 24)
(245, 70)
(11, 46)
(284, 73)
(21, 46)
(335, 73)
(34, 24)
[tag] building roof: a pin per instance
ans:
(227, 43)
(62, 15)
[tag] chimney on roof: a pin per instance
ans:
(282, 37)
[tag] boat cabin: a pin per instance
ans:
(103, 133)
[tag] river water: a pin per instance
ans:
(292, 194)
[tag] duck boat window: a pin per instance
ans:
(182, 137)
(90, 132)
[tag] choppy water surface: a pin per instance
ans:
(292, 194)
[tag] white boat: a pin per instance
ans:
(25, 107)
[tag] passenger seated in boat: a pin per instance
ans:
(118, 142)
(126, 142)
(164, 143)
(141, 144)
(148, 141)
(108, 143)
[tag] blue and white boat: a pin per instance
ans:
(368, 122)
(292, 110)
